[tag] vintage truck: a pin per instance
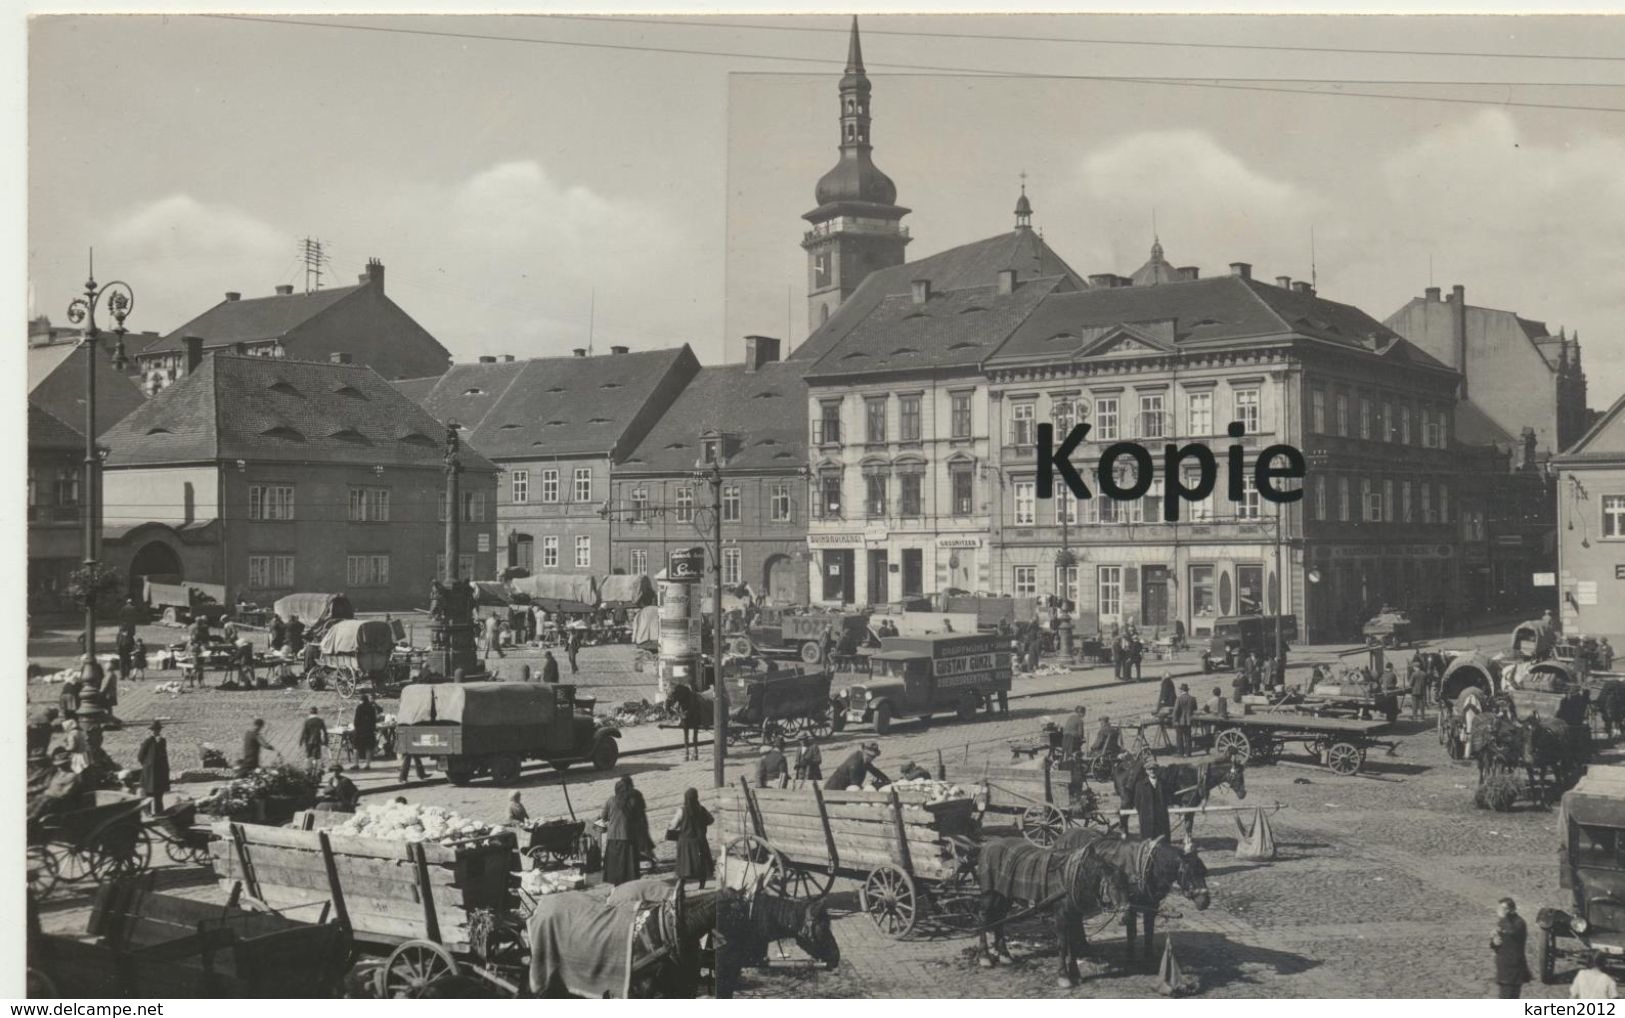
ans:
(179, 601)
(919, 676)
(1235, 635)
(1591, 865)
(474, 728)
(777, 632)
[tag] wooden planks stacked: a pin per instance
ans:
(381, 885)
(864, 827)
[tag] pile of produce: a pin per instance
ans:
(400, 821)
(535, 822)
(934, 791)
(540, 882)
(239, 796)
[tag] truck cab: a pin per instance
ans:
(1591, 861)
(474, 728)
(920, 676)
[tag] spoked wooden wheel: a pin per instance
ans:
(42, 874)
(1344, 758)
(1042, 824)
(749, 862)
(1233, 742)
(412, 968)
(116, 854)
(798, 882)
(892, 901)
(344, 681)
(819, 726)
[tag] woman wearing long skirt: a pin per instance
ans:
(626, 833)
(690, 824)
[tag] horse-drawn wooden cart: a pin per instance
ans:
(438, 910)
(1036, 798)
(1338, 743)
(360, 654)
(159, 945)
(788, 701)
(101, 838)
(909, 855)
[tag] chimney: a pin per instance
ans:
(285, 290)
(619, 349)
(579, 351)
(1284, 282)
(194, 352)
(338, 357)
(1304, 288)
(486, 358)
(1431, 294)
(760, 350)
(507, 358)
(374, 274)
(233, 295)
(1103, 280)
(1241, 270)
(1458, 324)
(1188, 272)
(922, 290)
(1007, 282)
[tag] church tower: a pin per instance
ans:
(856, 227)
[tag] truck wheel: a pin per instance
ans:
(1546, 956)
(505, 769)
(604, 754)
(967, 707)
(883, 718)
(460, 771)
(811, 653)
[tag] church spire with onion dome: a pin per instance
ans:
(856, 227)
(1024, 208)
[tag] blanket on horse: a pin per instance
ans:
(1020, 871)
(581, 938)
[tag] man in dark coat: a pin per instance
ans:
(253, 741)
(313, 738)
(859, 765)
(1508, 941)
(1072, 736)
(1151, 803)
(1184, 711)
(1165, 692)
(550, 668)
(154, 761)
(279, 632)
(573, 645)
(1119, 654)
(125, 647)
(1419, 690)
(772, 770)
(296, 635)
(364, 730)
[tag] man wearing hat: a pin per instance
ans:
(809, 759)
(341, 791)
(857, 766)
(61, 792)
(1072, 736)
(1184, 710)
(913, 772)
(1151, 802)
(154, 761)
(772, 771)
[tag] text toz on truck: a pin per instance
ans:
(1591, 829)
(473, 728)
(918, 676)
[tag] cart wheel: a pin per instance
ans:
(811, 653)
(412, 967)
(604, 753)
(1233, 742)
(748, 861)
(344, 682)
(505, 769)
(42, 873)
(1042, 824)
(113, 857)
(892, 901)
(1444, 727)
(179, 852)
(820, 727)
(1344, 758)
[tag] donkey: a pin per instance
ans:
(1070, 885)
(1154, 868)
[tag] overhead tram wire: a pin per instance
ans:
(989, 37)
(1222, 84)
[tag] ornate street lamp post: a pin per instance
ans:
(118, 299)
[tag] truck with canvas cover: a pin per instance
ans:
(919, 676)
(1591, 865)
(1235, 635)
(316, 611)
(780, 633)
(473, 728)
(184, 600)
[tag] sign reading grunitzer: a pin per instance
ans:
(1175, 458)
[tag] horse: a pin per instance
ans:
(695, 712)
(1191, 783)
(1070, 885)
(746, 925)
(579, 945)
(1547, 750)
(1153, 866)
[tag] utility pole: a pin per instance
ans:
(719, 740)
(315, 259)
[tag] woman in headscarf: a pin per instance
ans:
(626, 833)
(690, 824)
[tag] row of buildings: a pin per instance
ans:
(892, 453)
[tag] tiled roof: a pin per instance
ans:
(765, 409)
(252, 320)
(415, 389)
(969, 265)
(56, 381)
(959, 328)
(555, 406)
(262, 408)
(1202, 311)
(47, 431)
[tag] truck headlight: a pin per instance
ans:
(1578, 924)
(868, 694)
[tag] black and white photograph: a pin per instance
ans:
(840, 505)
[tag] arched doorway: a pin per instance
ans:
(779, 579)
(154, 559)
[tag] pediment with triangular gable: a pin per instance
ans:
(1127, 339)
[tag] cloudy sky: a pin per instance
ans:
(652, 175)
